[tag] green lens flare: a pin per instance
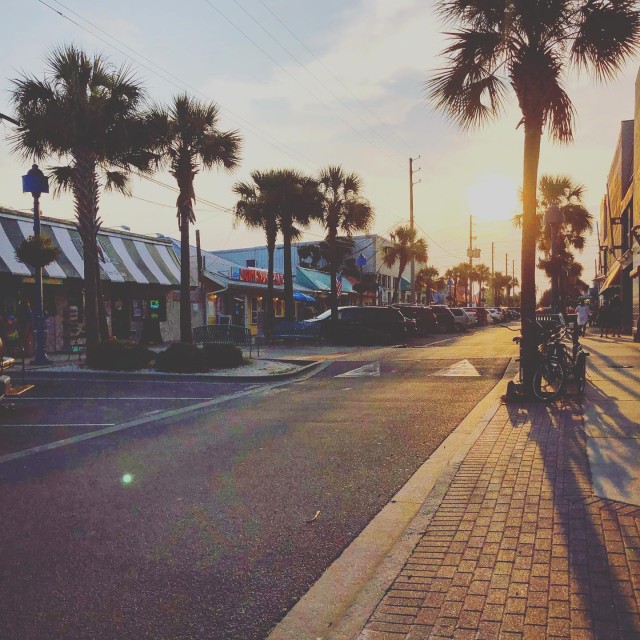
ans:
(127, 478)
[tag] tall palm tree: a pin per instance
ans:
(190, 141)
(344, 211)
(299, 203)
(480, 274)
(258, 208)
(84, 112)
(406, 246)
(529, 46)
(427, 279)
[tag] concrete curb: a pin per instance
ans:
(88, 374)
(339, 604)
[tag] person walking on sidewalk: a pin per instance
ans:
(604, 319)
(582, 318)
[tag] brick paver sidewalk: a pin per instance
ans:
(520, 547)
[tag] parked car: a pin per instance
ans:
(494, 314)
(482, 315)
(445, 318)
(473, 314)
(462, 320)
(425, 319)
(353, 323)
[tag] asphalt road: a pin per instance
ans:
(213, 524)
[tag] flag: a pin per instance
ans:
(339, 283)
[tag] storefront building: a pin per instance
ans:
(138, 276)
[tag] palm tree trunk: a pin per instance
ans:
(103, 325)
(185, 274)
(85, 192)
(268, 321)
(289, 309)
(532, 136)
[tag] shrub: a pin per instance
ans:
(121, 355)
(223, 356)
(182, 358)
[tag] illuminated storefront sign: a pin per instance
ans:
(257, 276)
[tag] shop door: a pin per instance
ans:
(239, 312)
(120, 313)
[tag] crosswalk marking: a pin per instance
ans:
(460, 369)
(369, 370)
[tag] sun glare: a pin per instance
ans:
(493, 197)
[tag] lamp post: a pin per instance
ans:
(36, 183)
(553, 219)
(361, 261)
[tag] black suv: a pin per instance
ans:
(386, 320)
(445, 318)
(426, 321)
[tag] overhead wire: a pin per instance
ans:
(257, 131)
(296, 80)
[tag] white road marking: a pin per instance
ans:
(458, 370)
(113, 398)
(369, 370)
(62, 424)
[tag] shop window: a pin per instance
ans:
(251, 263)
(278, 307)
(155, 308)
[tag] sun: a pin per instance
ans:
(493, 197)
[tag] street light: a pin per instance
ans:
(36, 183)
(553, 218)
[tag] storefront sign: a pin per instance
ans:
(31, 280)
(258, 276)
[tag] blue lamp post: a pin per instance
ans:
(36, 183)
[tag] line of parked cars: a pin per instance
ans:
(400, 321)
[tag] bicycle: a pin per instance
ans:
(556, 365)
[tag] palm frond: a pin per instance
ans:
(608, 35)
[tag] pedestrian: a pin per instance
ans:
(604, 319)
(582, 318)
(615, 309)
(11, 334)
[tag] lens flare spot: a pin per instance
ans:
(127, 478)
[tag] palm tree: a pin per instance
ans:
(83, 113)
(529, 46)
(560, 190)
(191, 140)
(427, 279)
(299, 203)
(406, 246)
(343, 211)
(480, 274)
(258, 208)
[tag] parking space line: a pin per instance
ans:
(112, 398)
(60, 424)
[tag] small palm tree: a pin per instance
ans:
(84, 113)
(406, 246)
(258, 208)
(529, 46)
(190, 140)
(344, 211)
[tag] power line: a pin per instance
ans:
(288, 73)
(345, 87)
(311, 74)
(295, 155)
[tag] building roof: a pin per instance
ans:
(127, 257)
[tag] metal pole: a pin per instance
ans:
(412, 227)
(493, 275)
(469, 301)
(41, 356)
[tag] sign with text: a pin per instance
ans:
(258, 276)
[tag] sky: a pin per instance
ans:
(308, 85)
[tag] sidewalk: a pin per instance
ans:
(538, 534)
(534, 533)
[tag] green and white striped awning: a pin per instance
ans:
(128, 257)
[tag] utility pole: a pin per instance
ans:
(470, 260)
(506, 273)
(513, 279)
(493, 275)
(412, 226)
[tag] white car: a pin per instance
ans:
(473, 314)
(495, 315)
(462, 319)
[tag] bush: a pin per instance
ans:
(182, 358)
(121, 355)
(223, 356)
